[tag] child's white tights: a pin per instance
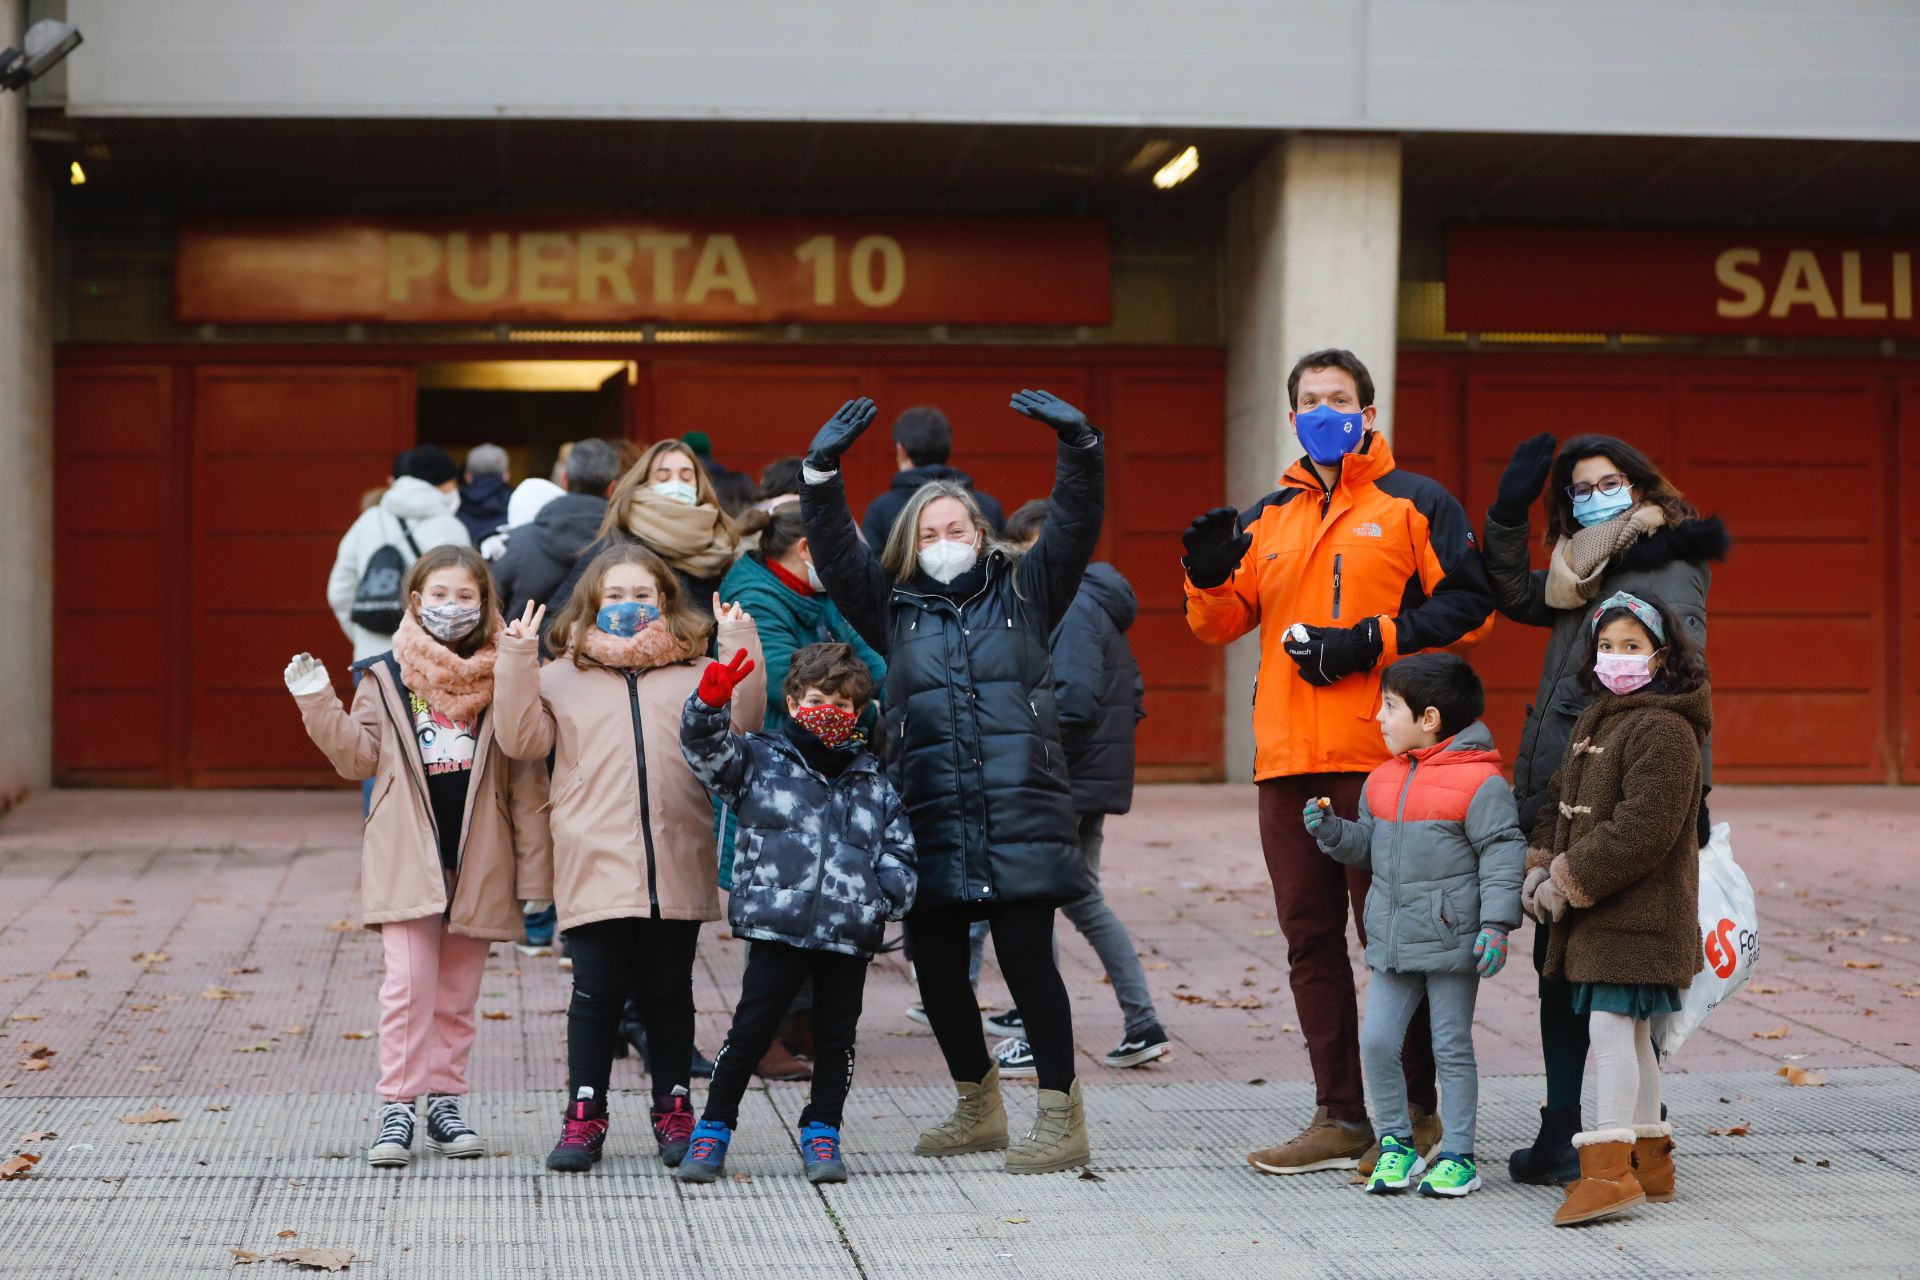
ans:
(1627, 1072)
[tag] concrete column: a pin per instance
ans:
(26, 448)
(1312, 261)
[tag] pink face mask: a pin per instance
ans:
(1623, 673)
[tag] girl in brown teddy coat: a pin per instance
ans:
(1615, 868)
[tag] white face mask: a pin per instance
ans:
(813, 579)
(678, 490)
(946, 560)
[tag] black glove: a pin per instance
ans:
(1330, 653)
(839, 433)
(1521, 482)
(1214, 548)
(1067, 422)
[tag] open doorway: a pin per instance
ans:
(530, 408)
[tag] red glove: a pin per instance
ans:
(717, 683)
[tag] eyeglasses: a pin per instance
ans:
(1607, 485)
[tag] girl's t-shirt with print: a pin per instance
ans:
(446, 749)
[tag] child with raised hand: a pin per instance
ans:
(823, 860)
(634, 865)
(1615, 874)
(1438, 826)
(455, 838)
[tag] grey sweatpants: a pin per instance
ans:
(1391, 1002)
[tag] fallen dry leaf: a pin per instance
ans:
(1800, 1075)
(316, 1259)
(1895, 938)
(1731, 1131)
(147, 1067)
(220, 1106)
(1188, 997)
(151, 958)
(18, 1167)
(1156, 966)
(241, 1257)
(35, 1064)
(1863, 964)
(244, 969)
(258, 1046)
(1244, 1002)
(743, 1177)
(143, 1008)
(24, 1017)
(356, 1035)
(295, 1030)
(1016, 1221)
(1264, 933)
(217, 993)
(1288, 1027)
(1778, 1033)
(1762, 989)
(68, 975)
(341, 926)
(1088, 1175)
(153, 1115)
(38, 1135)
(289, 1234)
(496, 1015)
(37, 1051)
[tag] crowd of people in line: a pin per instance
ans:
(671, 683)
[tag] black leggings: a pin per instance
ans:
(653, 961)
(775, 972)
(1563, 1033)
(1023, 943)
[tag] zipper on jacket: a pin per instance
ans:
(646, 810)
(1336, 585)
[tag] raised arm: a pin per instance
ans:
(854, 578)
(1223, 589)
(522, 721)
(1051, 571)
(1519, 591)
(715, 753)
(351, 741)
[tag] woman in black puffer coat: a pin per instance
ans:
(976, 753)
(1630, 530)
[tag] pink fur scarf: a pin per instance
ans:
(459, 688)
(652, 646)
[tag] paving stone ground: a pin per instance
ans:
(188, 951)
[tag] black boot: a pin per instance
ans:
(1551, 1161)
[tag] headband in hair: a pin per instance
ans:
(1648, 615)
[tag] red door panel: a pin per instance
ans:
(119, 574)
(755, 412)
(281, 456)
(1906, 671)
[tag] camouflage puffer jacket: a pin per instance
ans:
(821, 864)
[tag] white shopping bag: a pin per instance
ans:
(1729, 938)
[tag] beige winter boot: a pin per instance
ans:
(1058, 1139)
(978, 1122)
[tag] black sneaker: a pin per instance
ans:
(393, 1149)
(447, 1132)
(1015, 1060)
(1008, 1023)
(1138, 1050)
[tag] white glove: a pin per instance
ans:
(1550, 900)
(306, 674)
(534, 906)
(1535, 878)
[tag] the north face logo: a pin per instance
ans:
(1367, 530)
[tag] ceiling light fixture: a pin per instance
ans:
(1177, 170)
(76, 176)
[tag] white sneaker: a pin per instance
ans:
(918, 1013)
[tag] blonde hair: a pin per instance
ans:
(902, 553)
(692, 628)
(468, 561)
(639, 476)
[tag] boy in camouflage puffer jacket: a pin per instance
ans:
(823, 860)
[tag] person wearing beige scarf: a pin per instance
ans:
(1579, 562)
(698, 541)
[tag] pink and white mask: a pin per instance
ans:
(1623, 673)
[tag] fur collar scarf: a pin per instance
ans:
(1698, 541)
(459, 688)
(652, 646)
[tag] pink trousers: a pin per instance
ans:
(426, 1008)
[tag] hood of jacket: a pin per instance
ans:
(1698, 541)
(1472, 745)
(568, 525)
(488, 495)
(410, 498)
(1111, 592)
(1695, 705)
(906, 482)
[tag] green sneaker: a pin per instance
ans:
(1398, 1166)
(1451, 1175)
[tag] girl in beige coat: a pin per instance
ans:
(455, 836)
(635, 866)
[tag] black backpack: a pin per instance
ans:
(380, 603)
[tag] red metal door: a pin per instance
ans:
(1906, 671)
(281, 456)
(120, 578)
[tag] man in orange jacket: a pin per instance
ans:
(1349, 565)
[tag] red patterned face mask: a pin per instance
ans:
(832, 725)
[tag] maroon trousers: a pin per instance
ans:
(1311, 894)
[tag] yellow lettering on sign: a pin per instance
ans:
(1802, 284)
(892, 280)
(460, 268)
(605, 257)
(542, 255)
(1903, 286)
(720, 266)
(410, 256)
(819, 253)
(1852, 305)
(1752, 294)
(663, 245)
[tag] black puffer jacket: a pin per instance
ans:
(970, 694)
(541, 553)
(1672, 564)
(821, 864)
(1097, 683)
(885, 509)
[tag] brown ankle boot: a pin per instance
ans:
(1653, 1160)
(1607, 1185)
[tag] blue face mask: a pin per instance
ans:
(627, 618)
(1598, 507)
(1329, 434)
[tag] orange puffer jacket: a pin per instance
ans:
(1380, 543)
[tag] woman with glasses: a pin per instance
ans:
(1614, 524)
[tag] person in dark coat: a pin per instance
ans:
(541, 553)
(1614, 523)
(964, 626)
(483, 496)
(922, 443)
(1101, 695)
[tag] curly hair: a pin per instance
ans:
(1683, 668)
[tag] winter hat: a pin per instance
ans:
(432, 464)
(699, 443)
(529, 498)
